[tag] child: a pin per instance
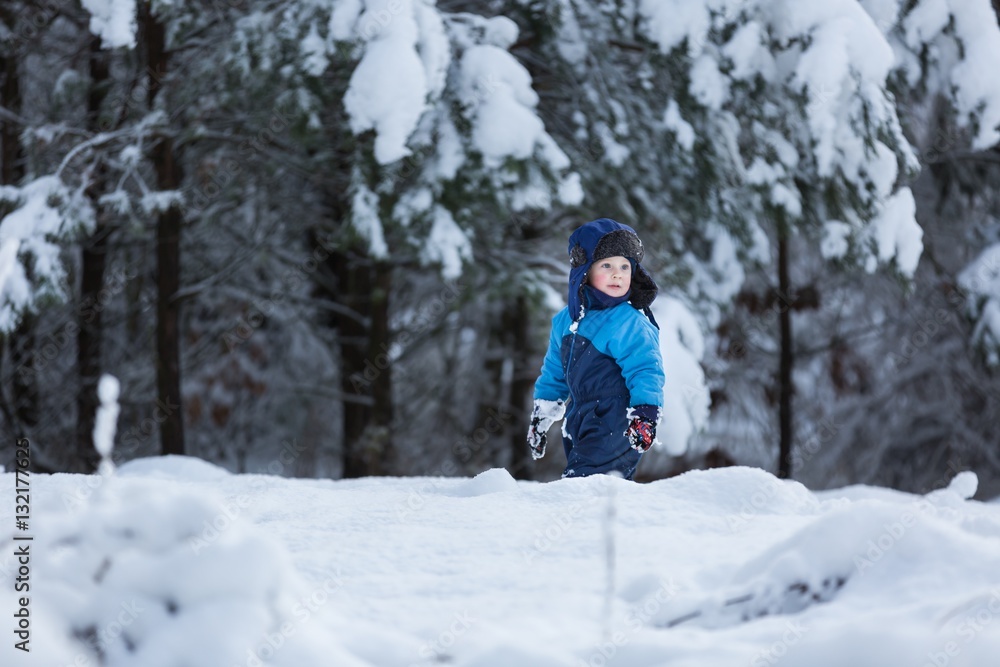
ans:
(603, 365)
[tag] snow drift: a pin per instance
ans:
(173, 561)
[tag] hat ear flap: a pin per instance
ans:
(577, 256)
(644, 288)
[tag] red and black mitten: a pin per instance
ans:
(642, 421)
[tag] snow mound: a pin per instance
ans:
(728, 567)
(506, 655)
(141, 575)
(740, 493)
(174, 467)
(495, 480)
(860, 551)
(965, 484)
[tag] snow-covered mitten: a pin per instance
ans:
(543, 415)
(642, 421)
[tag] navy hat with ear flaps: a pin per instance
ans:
(600, 239)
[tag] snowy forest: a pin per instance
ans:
(325, 238)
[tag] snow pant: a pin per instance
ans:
(594, 440)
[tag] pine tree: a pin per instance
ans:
(776, 124)
(420, 161)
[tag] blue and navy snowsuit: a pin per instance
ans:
(603, 361)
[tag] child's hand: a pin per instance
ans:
(544, 413)
(641, 431)
(537, 437)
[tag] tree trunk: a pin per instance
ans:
(509, 390)
(366, 367)
(361, 289)
(353, 283)
(21, 341)
(168, 263)
(787, 359)
(379, 432)
(93, 262)
(521, 386)
(168, 348)
(88, 352)
(12, 160)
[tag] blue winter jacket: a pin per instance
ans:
(610, 363)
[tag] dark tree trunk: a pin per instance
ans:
(88, 353)
(518, 412)
(168, 261)
(21, 341)
(379, 431)
(353, 285)
(12, 162)
(509, 388)
(168, 368)
(787, 362)
(360, 288)
(519, 397)
(93, 262)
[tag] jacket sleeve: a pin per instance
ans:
(551, 384)
(636, 348)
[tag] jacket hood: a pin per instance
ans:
(600, 239)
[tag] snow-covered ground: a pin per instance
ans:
(174, 562)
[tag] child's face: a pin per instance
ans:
(613, 275)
